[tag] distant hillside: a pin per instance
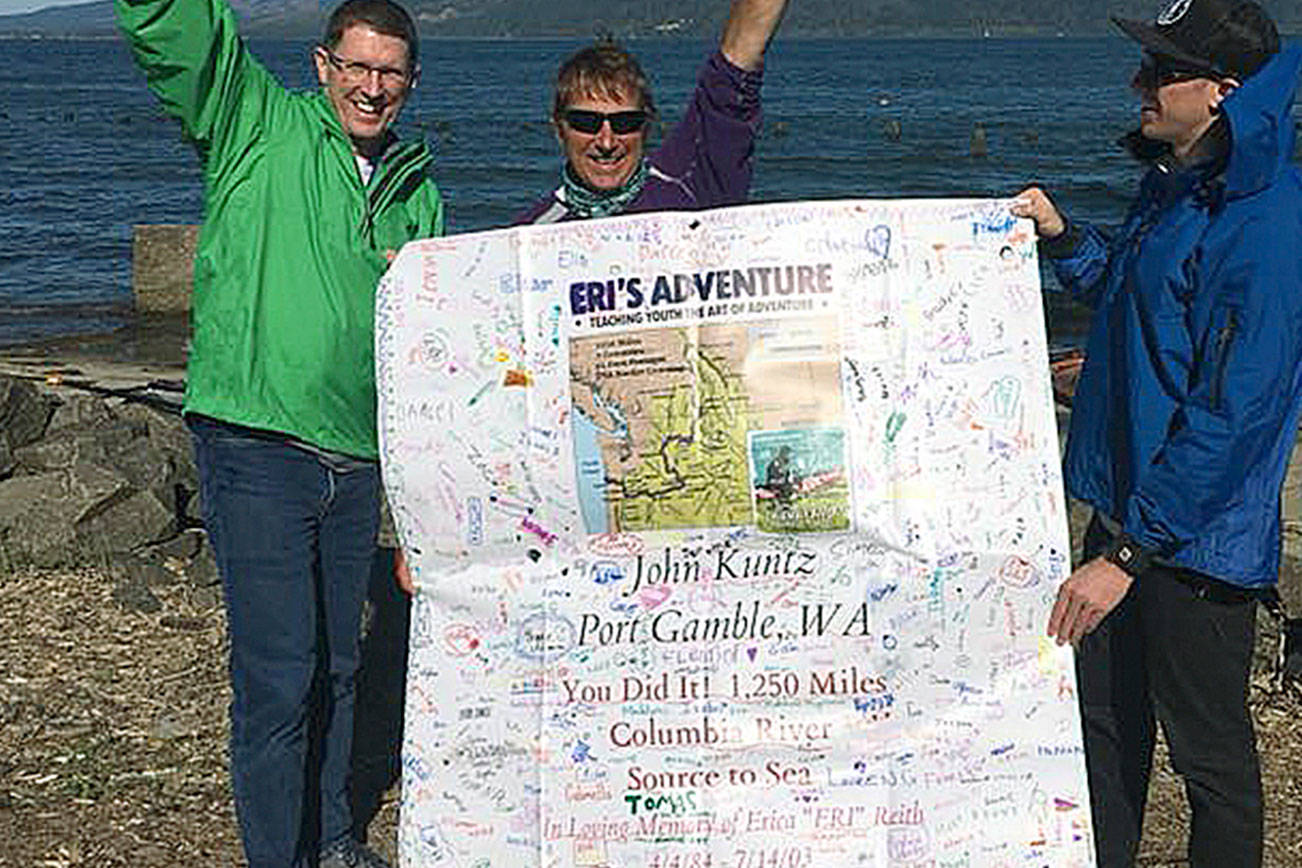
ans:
(504, 18)
(81, 19)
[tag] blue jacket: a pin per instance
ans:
(1187, 408)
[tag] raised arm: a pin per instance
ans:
(195, 63)
(751, 24)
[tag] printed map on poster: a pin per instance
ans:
(663, 417)
(737, 534)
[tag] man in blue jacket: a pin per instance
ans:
(1183, 423)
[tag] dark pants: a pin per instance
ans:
(1179, 649)
(294, 536)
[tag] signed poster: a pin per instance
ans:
(736, 535)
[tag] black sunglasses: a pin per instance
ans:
(1158, 72)
(589, 122)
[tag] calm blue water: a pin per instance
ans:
(85, 153)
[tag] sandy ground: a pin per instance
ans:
(113, 729)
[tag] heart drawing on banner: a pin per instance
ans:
(653, 596)
(877, 241)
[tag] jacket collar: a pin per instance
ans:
(1210, 158)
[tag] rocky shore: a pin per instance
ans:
(101, 476)
(113, 690)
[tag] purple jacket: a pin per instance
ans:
(705, 162)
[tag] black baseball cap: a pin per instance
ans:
(1224, 37)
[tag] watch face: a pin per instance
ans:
(1126, 555)
(1173, 13)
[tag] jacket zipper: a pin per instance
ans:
(397, 169)
(1224, 337)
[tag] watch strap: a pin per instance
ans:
(1124, 552)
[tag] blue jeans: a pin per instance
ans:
(294, 537)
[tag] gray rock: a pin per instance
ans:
(166, 430)
(122, 446)
(193, 512)
(202, 571)
(126, 523)
(39, 513)
(135, 596)
(144, 416)
(182, 547)
(144, 467)
(167, 727)
(60, 452)
(169, 437)
(1290, 576)
(129, 567)
(92, 488)
(209, 597)
(71, 446)
(1291, 498)
(81, 411)
(106, 477)
(23, 411)
(53, 453)
(162, 266)
(134, 416)
(158, 576)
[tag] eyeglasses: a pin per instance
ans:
(1159, 72)
(353, 71)
(589, 123)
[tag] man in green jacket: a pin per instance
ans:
(307, 196)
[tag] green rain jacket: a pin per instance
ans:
(292, 243)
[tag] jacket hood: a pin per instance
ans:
(1259, 113)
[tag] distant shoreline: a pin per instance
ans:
(508, 20)
(24, 35)
(945, 35)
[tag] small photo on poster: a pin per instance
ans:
(799, 480)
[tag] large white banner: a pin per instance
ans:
(737, 533)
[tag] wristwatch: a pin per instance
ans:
(1128, 554)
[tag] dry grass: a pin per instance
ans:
(113, 733)
(1278, 717)
(113, 729)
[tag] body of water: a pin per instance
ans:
(85, 152)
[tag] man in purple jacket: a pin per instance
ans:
(603, 109)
